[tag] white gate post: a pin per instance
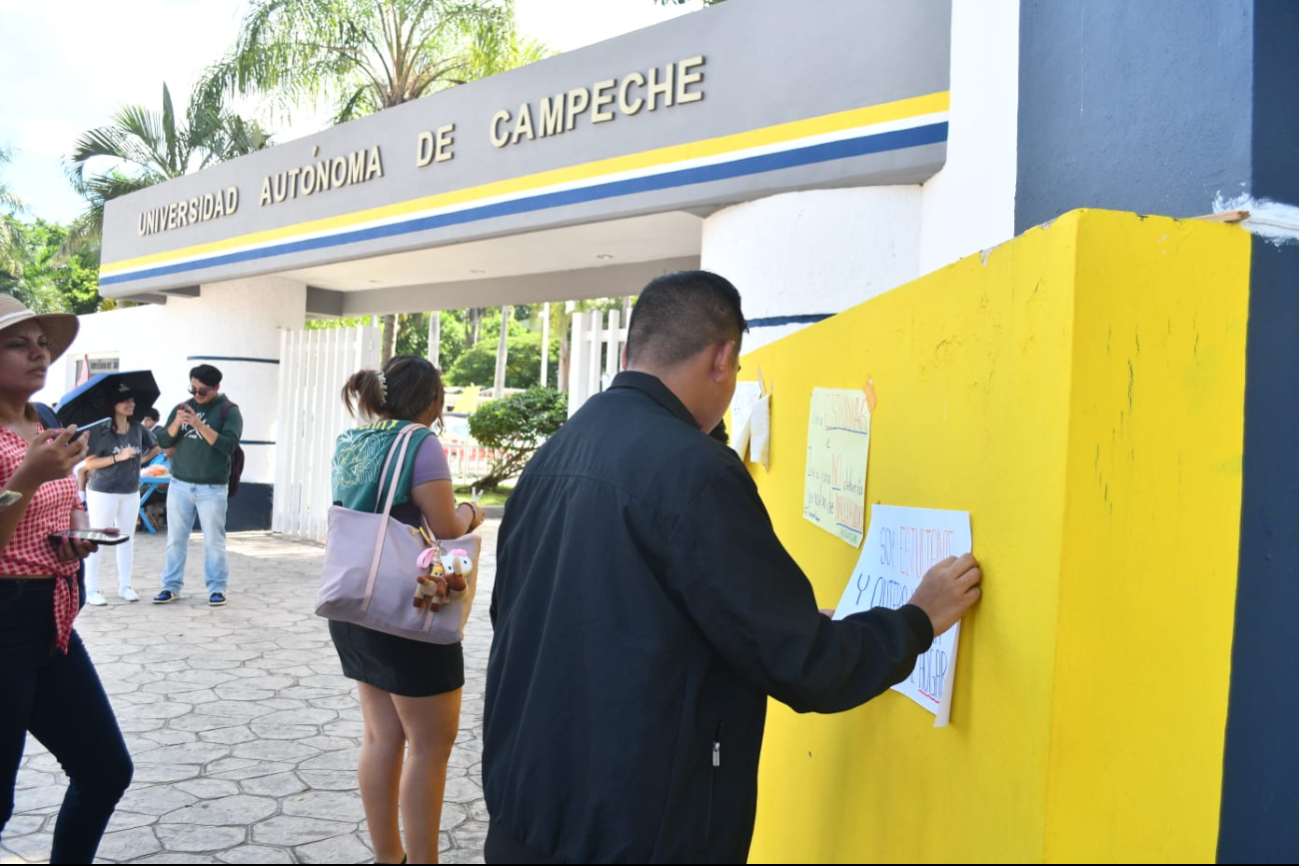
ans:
(578, 354)
(613, 349)
(545, 342)
(314, 365)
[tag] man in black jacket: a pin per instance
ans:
(645, 610)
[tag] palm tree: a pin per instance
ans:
(367, 55)
(10, 206)
(149, 147)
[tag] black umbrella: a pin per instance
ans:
(95, 398)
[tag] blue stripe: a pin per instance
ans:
(878, 143)
(775, 321)
(230, 358)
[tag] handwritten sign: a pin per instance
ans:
(838, 446)
(746, 395)
(903, 544)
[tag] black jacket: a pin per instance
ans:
(644, 610)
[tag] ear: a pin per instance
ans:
(622, 365)
(723, 360)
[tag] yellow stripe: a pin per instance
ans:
(890, 111)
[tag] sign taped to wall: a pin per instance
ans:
(903, 544)
(838, 448)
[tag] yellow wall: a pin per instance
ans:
(1092, 681)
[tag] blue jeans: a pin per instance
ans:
(209, 500)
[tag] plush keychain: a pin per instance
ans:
(442, 576)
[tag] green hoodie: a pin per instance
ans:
(196, 461)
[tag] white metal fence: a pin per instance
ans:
(314, 366)
(595, 349)
(468, 460)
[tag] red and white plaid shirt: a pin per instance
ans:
(29, 551)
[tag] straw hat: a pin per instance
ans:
(60, 328)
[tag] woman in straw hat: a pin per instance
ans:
(48, 686)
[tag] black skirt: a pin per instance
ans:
(398, 665)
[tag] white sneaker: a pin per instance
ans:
(96, 598)
(129, 594)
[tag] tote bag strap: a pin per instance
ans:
(399, 449)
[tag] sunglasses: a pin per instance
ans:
(201, 392)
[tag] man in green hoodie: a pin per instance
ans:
(205, 432)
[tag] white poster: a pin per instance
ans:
(838, 447)
(746, 395)
(902, 545)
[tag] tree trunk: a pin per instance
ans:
(565, 331)
(435, 337)
(389, 341)
(502, 348)
(475, 323)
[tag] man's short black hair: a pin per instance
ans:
(207, 374)
(151, 413)
(679, 314)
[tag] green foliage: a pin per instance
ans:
(452, 338)
(362, 56)
(516, 426)
(10, 206)
(341, 322)
(412, 333)
(36, 269)
(477, 366)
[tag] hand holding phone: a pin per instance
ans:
(74, 544)
(91, 537)
(49, 459)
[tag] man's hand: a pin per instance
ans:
(173, 429)
(948, 590)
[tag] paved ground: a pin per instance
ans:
(243, 730)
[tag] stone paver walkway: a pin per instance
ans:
(243, 730)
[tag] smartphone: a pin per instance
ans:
(82, 432)
(97, 535)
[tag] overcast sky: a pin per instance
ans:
(65, 65)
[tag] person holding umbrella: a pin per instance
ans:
(117, 451)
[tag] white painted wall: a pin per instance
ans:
(970, 204)
(824, 251)
(814, 252)
(136, 336)
(237, 319)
